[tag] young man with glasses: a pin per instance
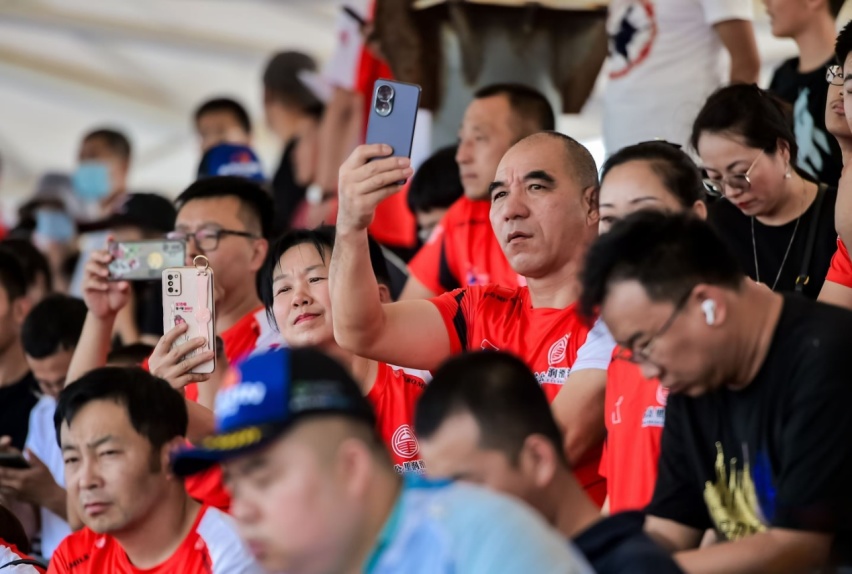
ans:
(756, 442)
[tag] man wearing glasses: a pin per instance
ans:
(756, 441)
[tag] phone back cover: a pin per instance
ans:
(397, 128)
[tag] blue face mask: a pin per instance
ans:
(91, 181)
(55, 225)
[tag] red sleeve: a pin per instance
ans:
(455, 308)
(208, 488)
(840, 271)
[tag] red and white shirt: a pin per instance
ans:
(635, 413)
(394, 397)
(212, 547)
(552, 342)
(9, 553)
(840, 271)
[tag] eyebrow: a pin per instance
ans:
(306, 270)
(93, 444)
(634, 201)
(540, 175)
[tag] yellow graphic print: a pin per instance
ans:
(732, 500)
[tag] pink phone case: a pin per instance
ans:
(188, 298)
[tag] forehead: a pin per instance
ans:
(302, 255)
(542, 154)
(493, 111)
(224, 211)
(218, 117)
(631, 179)
(98, 418)
(96, 147)
(718, 148)
(627, 310)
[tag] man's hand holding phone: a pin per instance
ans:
(103, 297)
(33, 484)
(172, 365)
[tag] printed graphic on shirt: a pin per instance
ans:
(632, 37)
(655, 415)
(394, 397)
(814, 147)
(555, 356)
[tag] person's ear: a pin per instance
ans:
(538, 460)
(699, 208)
(166, 458)
(385, 294)
(713, 304)
(353, 462)
(590, 205)
(260, 247)
(20, 309)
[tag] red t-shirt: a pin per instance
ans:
(635, 414)
(212, 547)
(553, 342)
(463, 251)
(10, 553)
(394, 396)
(840, 271)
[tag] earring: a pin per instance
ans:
(789, 173)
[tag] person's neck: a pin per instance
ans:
(816, 44)
(572, 510)
(13, 364)
(384, 494)
(230, 311)
(798, 196)
(556, 290)
(756, 312)
(162, 532)
(845, 144)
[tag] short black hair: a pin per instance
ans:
(843, 45)
(667, 254)
(578, 157)
(500, 392)
(257, 202)
(130, 355)
(53, 325)
(672, 165)
(281, 80)
(753, 114)
(13, 278)
(528, 104)
(114, 139)
(835, 6)
(322, 239)
(33, 261)
(155, 409)
(436, 184)
(226, 105)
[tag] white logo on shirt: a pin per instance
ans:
(557, 351)
(487, 345)
(662, 394)
(404, 442)
(616, 412)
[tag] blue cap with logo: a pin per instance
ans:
(231, 159)
(265, 395)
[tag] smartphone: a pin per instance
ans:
(13, 460)
(393, 114)
(144, 260)
(188, 298)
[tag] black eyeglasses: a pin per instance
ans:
(207, 239)
(643, 353)
(834, 75)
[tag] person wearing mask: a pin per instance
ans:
(294, 289)
(463, 250)
(659, 176)
(222, 120)
(778, 221)
(484, 419)
(543, 218)
(755, 444)
(315, 491)
(116, 428)
(800, 81)
(435, 187)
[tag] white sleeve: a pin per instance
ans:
(596, 352)
(341, 70)
(228, 553)
(716, 11)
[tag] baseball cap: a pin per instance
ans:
(265, 395)
(231, 159)
(149, 211)
(285, 75)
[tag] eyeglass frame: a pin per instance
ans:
(643, 355)
(831, 74)
(709, 183)
(216, 235)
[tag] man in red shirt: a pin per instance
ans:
(543, 219)
(116, 428)
(463, 250)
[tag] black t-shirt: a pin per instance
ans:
(776, 453)
(286, 193)
(149, 307)
(16, 402)
(819, 153)
(772, 241)
(618, 545)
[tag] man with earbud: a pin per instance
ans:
(756, 443)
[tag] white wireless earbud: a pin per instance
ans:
(709, 308)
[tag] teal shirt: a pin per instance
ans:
(455, 528)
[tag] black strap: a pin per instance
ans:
(803, 277)
(24, 562)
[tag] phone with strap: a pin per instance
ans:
(188, 298)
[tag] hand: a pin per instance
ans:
(364, 184)
(170, 364)
(104, 298)
(34, 485)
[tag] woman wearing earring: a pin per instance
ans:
(778, 221)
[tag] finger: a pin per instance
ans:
(123, 286)
(189, 346)
(366, 152)
(97, 269)
(166, 341)
(33, 459)
(380, 182)
(186, 365)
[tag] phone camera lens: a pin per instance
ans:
(171, 283)
(383, 108)
(171, 277)
(384, 93)
(170, 289)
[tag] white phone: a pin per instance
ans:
(188, 298)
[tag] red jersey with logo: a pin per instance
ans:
(394, 397)
(9, 553)
(462, 251)
(635, 414)
(212, 547)
(553, 343)
(840, 271)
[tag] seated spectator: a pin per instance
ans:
(49, 334)
(435, 186)
(229, 159)
(778, 221)
(294, 289)
(14, 546)
(36, 268)
(315, 491)
(755, 444)
(484, 419)
(116, 427)
(222, 120)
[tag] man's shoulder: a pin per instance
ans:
(465, 211)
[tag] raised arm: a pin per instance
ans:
(408, 333)
(738, 38)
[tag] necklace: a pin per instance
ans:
(789, 245)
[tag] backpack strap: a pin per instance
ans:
(23, 562)
(803, 277)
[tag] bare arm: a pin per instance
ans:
(843, 206)
(836, 294)
(738, 38)
(579, 408)
(671, 535)
(414, 290)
